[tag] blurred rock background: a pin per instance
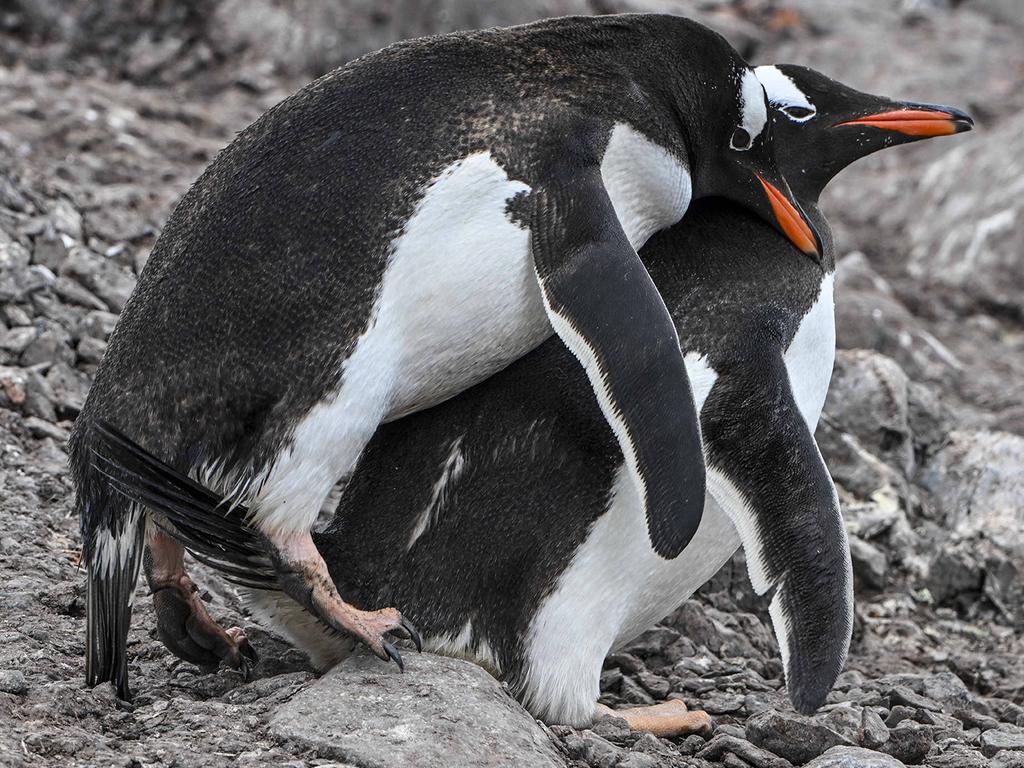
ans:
(109, 110)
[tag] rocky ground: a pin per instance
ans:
(108, 111)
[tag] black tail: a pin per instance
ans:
(111, 586)
(113, 532)
(214, 532)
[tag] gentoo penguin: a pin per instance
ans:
(506, 520)
(393, 233)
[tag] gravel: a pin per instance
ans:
(107, 115)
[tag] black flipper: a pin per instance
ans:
(605, 308)
(212, 530)
(766, 471)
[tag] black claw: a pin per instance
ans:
(413, 634)
(393, 654)
(247, 669)
(250, 653)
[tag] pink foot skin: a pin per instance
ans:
(668, 719)
(304, 577)
(183, 623)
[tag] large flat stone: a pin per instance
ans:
(442, 713)
(854, 757)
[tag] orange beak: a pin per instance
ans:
(915, 122)
(790, 220)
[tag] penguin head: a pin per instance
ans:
(821, 126)
(740, 162)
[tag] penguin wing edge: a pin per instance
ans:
(766, 471)
(606, 309)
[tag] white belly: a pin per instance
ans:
(459, 299)
(811, 355)
(616, 587)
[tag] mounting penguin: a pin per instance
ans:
(388, 236)
(506, 520)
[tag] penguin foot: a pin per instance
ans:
(667, 719)
(303, 575)
(188, 631)
(183, 623)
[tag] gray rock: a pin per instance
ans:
(69, 387)
(958, 756)
(868, 398)
(66, 219)
(42, 428)
(718, 703)
(633, 693)
(49, 251)
(904, 695)
(15, 315)
(730, 729)
(16, 340)
(1006, 737)
(75, 293)
(637, 760)
(854, 757)
(51, 344)
(975, 255)
(873, 731)
(40, 399)
(441, 713)
(853, 466)
(909, 742)
(98, 324)
(1004, 709)
(794, 737)
(593, 750)
(613, 728)
(943, 687)
(954, 572)
(13, 681)
(91, 350)
(869, 315)
(104, 277)
(722, 744)
(18, 279)
(14, 265)
(930, 420)
(658, 687)
(870, 563)
(1007, 759)
(977, 484)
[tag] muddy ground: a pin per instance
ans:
(108, 111)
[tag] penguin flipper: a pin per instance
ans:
(604, 306)
(765, 470)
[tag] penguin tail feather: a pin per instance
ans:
(113, 571)
(212, 529)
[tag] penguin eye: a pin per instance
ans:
(798, 113)
(740, 139)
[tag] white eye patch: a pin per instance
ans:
(783, 93)
(753, 113)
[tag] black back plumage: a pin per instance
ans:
(264, 276)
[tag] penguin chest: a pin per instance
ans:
(459, 299)
(811, 355)
(616, 585)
